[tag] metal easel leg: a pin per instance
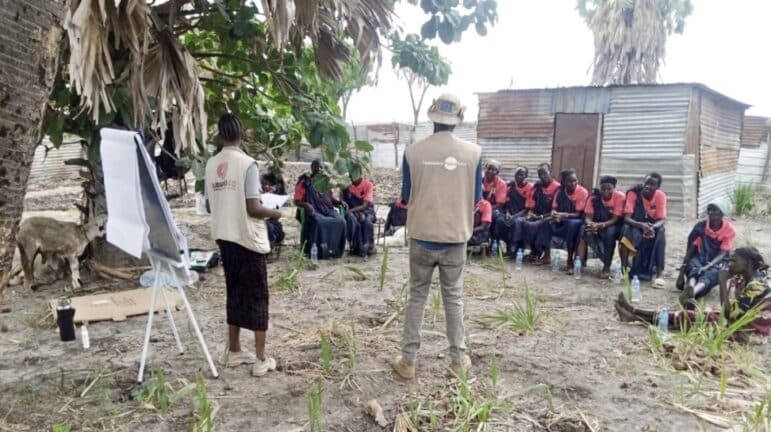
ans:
(156, 285)
(171, 321)
(198, 333)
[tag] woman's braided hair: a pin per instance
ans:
(229, 127)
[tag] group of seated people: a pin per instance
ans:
(536, 216)
(330, 223)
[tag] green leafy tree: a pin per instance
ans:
(630, 37)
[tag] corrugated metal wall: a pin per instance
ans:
(645, 131)
(511, 153)
(53, 165)
(755, 130)
(751, 161)
(581, 100)
(721, 128)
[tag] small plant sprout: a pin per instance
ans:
(494, 372)
(436, 304)
(203, 415)
(326, 356)
(314, 397)
(521, 318)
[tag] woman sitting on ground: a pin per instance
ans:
(746, 276)
(397, 217)
(323, 224)
(566, 219)
(643, 235)
(272, 183)
(360, 217)
(483, 217)
(504, 225)
(709, 245)
(539, 206)
(604, 218)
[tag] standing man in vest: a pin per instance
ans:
(442, 181)
(238, 226)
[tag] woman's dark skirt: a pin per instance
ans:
(651, 253)
(246, 281)
(604, 243)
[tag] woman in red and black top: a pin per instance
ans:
(539, 206)
(604, 218)
(566, 218)
(643, 235)
(709, 246)
(504, 225)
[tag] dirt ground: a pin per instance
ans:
(579, 366)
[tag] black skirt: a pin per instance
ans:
(246, 280)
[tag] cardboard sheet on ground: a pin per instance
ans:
(117, 306)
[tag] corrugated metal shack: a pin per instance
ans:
(754, 158)
(687, 132)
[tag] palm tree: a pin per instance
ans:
(630, 37)
(162, 75)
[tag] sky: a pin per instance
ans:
(545, 43)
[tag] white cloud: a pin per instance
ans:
(544, 43)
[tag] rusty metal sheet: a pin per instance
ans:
(721, 128)
(581, 100)
(755, 131)
(516, 114)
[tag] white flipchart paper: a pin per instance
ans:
(273, 201)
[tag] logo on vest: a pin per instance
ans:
(222, 170)
(450, 163)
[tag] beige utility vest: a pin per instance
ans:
(225, 177)
(443, 181)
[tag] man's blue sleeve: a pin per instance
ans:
(406, 181)
(478, 188)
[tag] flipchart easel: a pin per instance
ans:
(140, 222)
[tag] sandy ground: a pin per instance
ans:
(579, 359)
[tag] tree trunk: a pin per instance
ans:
(29, 53)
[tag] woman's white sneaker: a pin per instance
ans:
(261, 367)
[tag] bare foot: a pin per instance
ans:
(687, 298)
(605, 274)
(624, 314)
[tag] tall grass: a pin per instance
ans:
(743, 199)
(326, 355)
(203, 418)
(314, 398)
(522, 318)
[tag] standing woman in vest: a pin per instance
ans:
(238, 226)
(441, 184)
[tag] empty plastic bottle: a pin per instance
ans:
(494, 248)
(636, 294)
(314, 253)
(617, 274)
(555, 263)
(663, 322)
(577, 268)
(520, 258)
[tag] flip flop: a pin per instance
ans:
(658, 283)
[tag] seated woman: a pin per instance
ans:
(504, 225)
(272, 183)
(566, 218)
(323, 225)
(709, 245)
(483, 217)
(539, 207)
(360, 217)
(397, 217)
(746, 276)
(643, 235)
(604, 218)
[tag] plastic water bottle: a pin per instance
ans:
(555, 263)
(84, 337)
(494, 248)
(577, 268)
(148, 278)
(617, 276)
(314, 253)
(520, 258)
(636, 295)
(663, 322)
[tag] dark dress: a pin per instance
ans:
(326, 228)
(397, 216)
(709, 249)
(651, 253)
(507, 231)
(527, 230)
(604, 243)
(568, 230)
(361, 233)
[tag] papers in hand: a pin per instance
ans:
(273, 201)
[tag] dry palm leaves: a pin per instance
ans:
(327, 23)
(161, 74)
(630, 37)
